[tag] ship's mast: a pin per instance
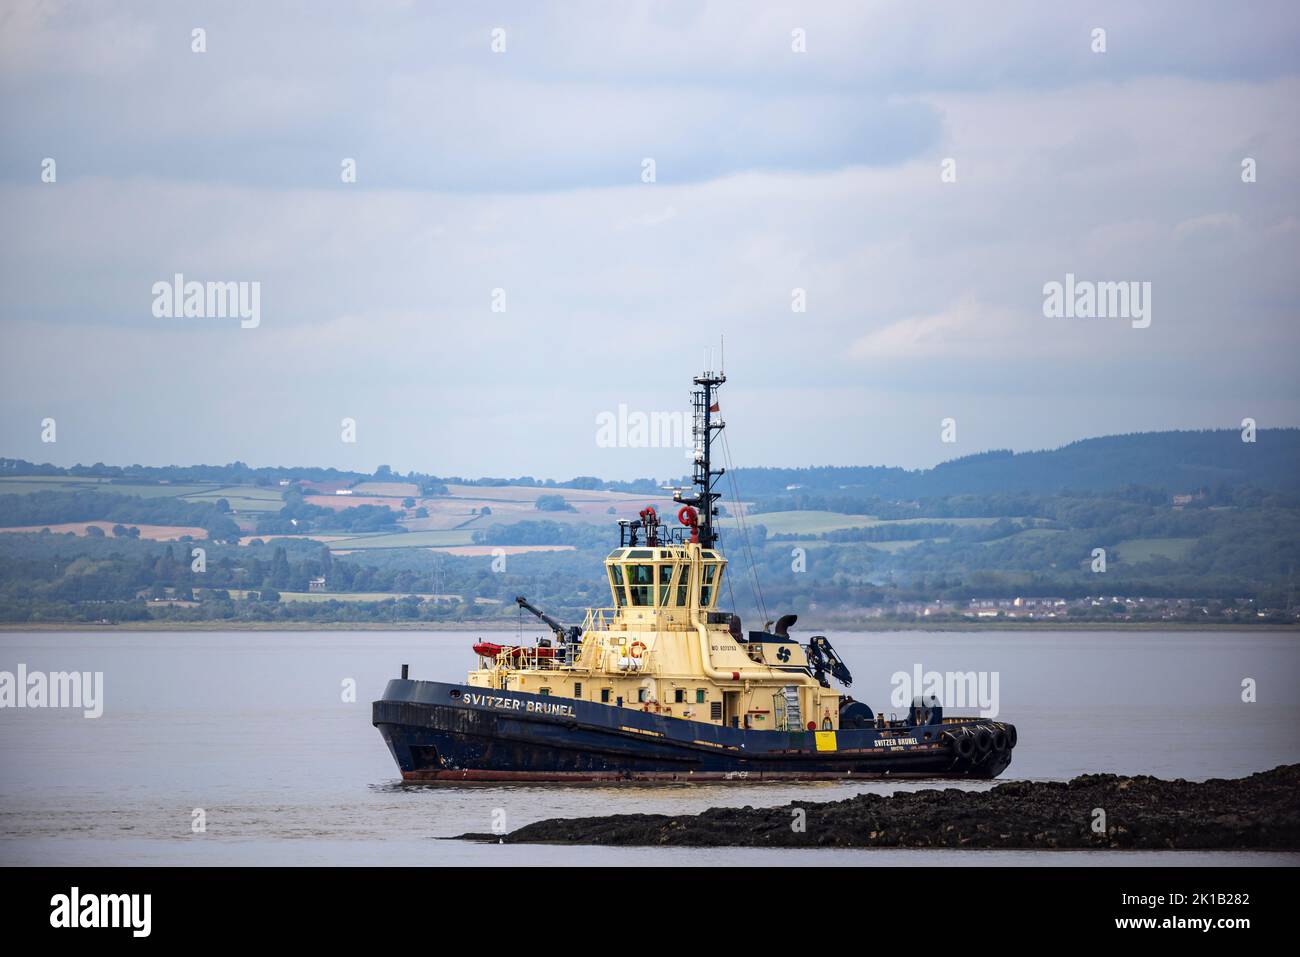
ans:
(702, 429)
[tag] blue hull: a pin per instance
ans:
(441, 732)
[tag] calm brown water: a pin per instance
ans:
(252, 728)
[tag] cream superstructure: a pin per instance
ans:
(663, 647)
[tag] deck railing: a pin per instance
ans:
(530, 658)
(598, 619)
(602, 619)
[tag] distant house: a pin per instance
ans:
(343, 491)
(316, 584)
(1037, 602)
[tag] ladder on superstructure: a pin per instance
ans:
(793, 716)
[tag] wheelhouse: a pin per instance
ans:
(665, 577)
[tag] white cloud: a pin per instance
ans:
(968, 329)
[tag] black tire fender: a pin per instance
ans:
(963, 745)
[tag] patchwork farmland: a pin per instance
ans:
(836, 544)
(426, 521)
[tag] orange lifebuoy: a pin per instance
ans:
(637, 649)
(688, 516)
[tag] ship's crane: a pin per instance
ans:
(822, 659)
(568, 637)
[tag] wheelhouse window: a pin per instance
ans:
(642, 695)
(708, 587)
(683, 587)
(665, 583)
(679, 696)
(641, 584)
(616, 583)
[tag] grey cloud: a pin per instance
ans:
(520, 172)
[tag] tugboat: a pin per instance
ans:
(662, 686)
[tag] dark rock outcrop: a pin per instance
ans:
(1257, 812)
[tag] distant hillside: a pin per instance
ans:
(1204, 523)
(1175, 461)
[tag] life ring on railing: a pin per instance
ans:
(636, 650)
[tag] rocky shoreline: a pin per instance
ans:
(1258, 812)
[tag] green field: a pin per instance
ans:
(24, 486)
(802, 523)
(1134, 551)
(44, 483)
(241, 498)
(154, 491)
(433, 539)
(813, 522)
(1028, 535)
(902, 545)
(967, 522)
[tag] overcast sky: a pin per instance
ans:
(522, 171)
